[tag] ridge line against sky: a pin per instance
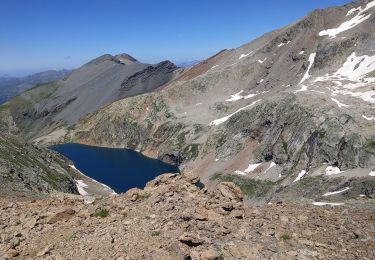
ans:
(38, 35)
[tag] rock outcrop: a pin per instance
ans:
(27, 170)
(174, 219)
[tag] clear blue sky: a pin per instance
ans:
(36, 35)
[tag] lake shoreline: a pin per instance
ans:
(152, 154)
(88, 186)
(106, 171)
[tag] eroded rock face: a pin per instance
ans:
(173, 219)
(149, 79)
(26, 169)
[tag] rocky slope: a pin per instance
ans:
(96, 84)
(173, 219)
(278, 110)
(28, 170)
(276, 113)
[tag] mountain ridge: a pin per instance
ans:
(11, 86)
(291, 120)
(281, 101)
(275, 141)
(93, 85)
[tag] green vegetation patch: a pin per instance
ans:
(102, 213)
(251, 188)
(192, 151)
(155, 233)
(286, 237)
(370, 146)
(43, 91)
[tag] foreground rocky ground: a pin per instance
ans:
(173, 219)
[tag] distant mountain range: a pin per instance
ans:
(187, 64)
(11, 86)
(95, 84)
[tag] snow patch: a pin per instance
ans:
(239, 173)
(271, 165)
(351, 11)
(332, 170)
(372, 174)
(300, 175)
(339, 104)
(245, 55)
(105, 186)
(357, 19)
(237, 96)
(311, 62)
(214, 66)
(252, 167)
(80, 186)
(223, 119)
(301, 52)
(198, 104)
(368, 117)
(351, 79)
(260, 81)
(261, 61)
(282, 44)
(317, 203)
(249, 169)
(356, 67)
(335, 192)
(303, 88)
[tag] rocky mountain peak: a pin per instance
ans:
(166, 64)
(100, 59)
(125, 58)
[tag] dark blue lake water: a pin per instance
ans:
(120, 169)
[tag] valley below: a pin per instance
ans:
(273, 144)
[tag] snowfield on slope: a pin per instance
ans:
(335, 192)
(237, 96)
(81, 187)
(311, 62)
(339, 104)
(224, 119)
(250, 168)
(245, 55)
(320, 203)
(300, 175)
(357, 19)
(352, 78)
(332, 170)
